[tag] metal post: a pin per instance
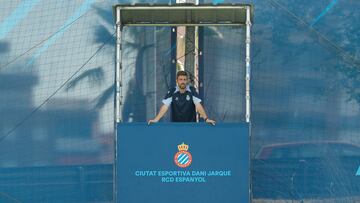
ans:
(118, 69)
(118, 93)
(190, 49)
(173, 57)
(201, 62)
(248, 68)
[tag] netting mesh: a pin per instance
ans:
(57, 86)
(224, 73)
(146, 72)
(304, 141)
(58, 69)
(56, 100)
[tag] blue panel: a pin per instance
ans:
(58, 184)
(146, 164)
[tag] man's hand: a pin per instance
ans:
(161, 113)
(152, 121)
(201, 110)
(212, 122)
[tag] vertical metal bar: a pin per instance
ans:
(201, 63)
(248, 67)
(118, 68)
(173, 57)
(155, 67)
(190, 46)
(118, 97)
(196, 58)
(247, 80)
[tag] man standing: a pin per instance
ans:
(184, 102)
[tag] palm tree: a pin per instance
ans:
(134, 97)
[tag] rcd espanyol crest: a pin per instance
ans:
(183, 158)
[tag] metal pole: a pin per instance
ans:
(118, 93)
(118, 69)
(190, 48)
(173, 57)
(248, 68)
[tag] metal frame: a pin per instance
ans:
(181, 15)
(247, 65)
(118, 68)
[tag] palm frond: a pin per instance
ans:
(102, 35)
(104, 14)
(132, 45)
(104, 97)
(95, 76)
(213, 32)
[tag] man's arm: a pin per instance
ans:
(161, 113)
(201, 110)
(166, 103)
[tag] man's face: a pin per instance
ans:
(182, 81)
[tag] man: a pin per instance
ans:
(184, 102)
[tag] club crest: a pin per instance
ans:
(183, 158)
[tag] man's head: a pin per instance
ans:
(181, 79)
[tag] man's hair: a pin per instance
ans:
(181, 72)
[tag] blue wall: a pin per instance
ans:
(56, 88)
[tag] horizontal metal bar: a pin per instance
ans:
(182, 15)
(180, 7)
(165, 24)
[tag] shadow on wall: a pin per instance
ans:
(4, 47)
(306, 170)
(135, 101)
(59, 133)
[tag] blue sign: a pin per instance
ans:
(182, 162)
(358, 172)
